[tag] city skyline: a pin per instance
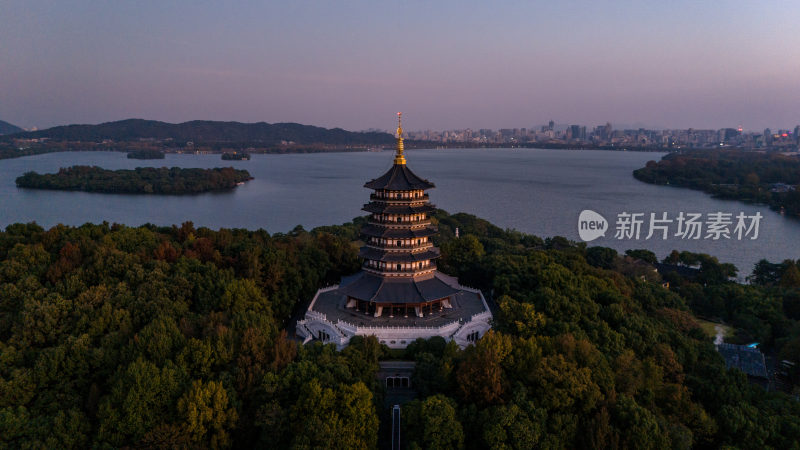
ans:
(447, 65)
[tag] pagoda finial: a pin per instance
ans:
(399, 158)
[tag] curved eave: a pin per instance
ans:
(399, 178)
(378, 208)
(398, 233)
(401, 256)
(372, 288)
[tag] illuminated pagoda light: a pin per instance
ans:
(398, 296)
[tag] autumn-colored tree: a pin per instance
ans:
(207, 414)
(480, 375)
(166, 252)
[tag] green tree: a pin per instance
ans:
(142, 397)
(207, 414)
(343, 417)
(480, 375)
(432, 424)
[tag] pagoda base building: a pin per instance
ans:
(398, 296)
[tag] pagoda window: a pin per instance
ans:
(399, 267)
(399, 243)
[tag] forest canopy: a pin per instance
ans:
(114, 336)
(760, 177)
(142, 180)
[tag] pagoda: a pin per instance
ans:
(398, 295)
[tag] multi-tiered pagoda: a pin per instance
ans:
(398, 295)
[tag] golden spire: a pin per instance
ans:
(399, 158)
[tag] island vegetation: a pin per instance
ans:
(175, 337)
(142, 180)
(771, 178)
(235, 156)
(146, 154)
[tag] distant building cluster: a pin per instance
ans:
(607, 136)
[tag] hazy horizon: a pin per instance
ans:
(446, 65)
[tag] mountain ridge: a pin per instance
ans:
(9, 128)
(208, 131)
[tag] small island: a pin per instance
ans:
(235, 156)
(146, 154)
(142, 180)
(770, 178)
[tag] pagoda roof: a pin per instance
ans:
(398, 209)
(373, 288)
(398, 256)
(399, 178)
(398, 233)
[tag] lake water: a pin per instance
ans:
(536, 191)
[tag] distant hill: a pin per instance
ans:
(7, 128)
(205, 131)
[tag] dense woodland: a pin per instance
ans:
(731, 174)
(146, 154)
(142, 180)
(162, 337)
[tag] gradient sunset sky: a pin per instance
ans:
(445, 64)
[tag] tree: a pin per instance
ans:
(790, 276)
(480, 375)
(602, 257)
(462, 253)
(641, 427)
(141, 398)
(510, 427)
(207, 416)
(432, 424)
(644, 255)
(342, 417)
(519, 319)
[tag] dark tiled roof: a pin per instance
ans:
(399, 178)
(689, 273)
(399, 256)
(398, 233)
(398, 209)
(373, 288)
(748, 360)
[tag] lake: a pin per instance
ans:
(541, 192)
